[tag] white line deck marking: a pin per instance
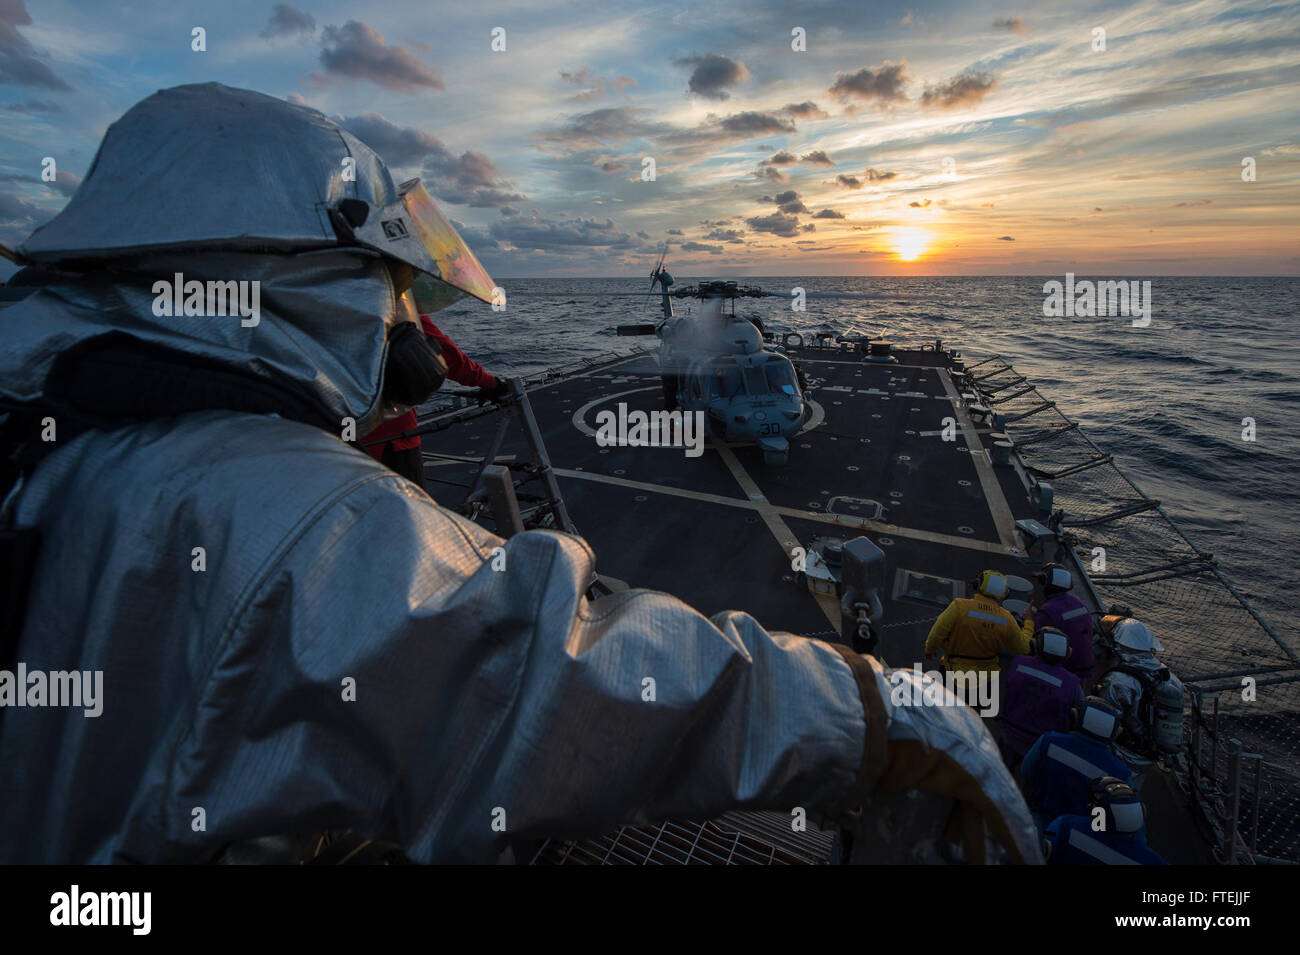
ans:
(993, 496)
(841, 520)
(780, 530)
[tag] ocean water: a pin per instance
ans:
(1167, 400)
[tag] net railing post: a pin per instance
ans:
(1255, 804)
(1234, 801)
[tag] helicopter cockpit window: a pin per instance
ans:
(726, 382)
(780, 378)
(755, 384)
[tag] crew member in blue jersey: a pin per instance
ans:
(1114, 832)
(1056, 771)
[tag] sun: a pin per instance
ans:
(910, 243)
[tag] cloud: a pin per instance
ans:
(751, 123)
(594, 87)
(41, 106)
(1011, 25)
(614, 166)
(777, 224)
(468, 179)
(965, 90)
(882, 86)
(538, 233)
(20, 64)
(805, 110)
(920, 205)
(701, 247)
(817, 157)
(65, 183)
(399, 145)
(772, 173)
(288, 20)
(18, 218)
(358, 51)
(829, 214)
(788, 202)
(877, 175)
(726, 235)
(713, 73)
(676, 232)
(1005, 238)
(849, 182)
(1194, 202)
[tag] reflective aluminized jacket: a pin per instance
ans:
(1124, 692)
(345, 653)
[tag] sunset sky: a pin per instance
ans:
(907, 138)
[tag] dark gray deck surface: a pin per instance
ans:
(717, 530)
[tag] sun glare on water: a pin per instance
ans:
(910, 244)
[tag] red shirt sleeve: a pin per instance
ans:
(460, 367)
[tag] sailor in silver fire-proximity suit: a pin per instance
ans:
(1147, 694)
(291, 637)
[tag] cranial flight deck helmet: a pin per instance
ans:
(1055, 579)
(1123, 808)
(992, 584)
(1052, 645)
(210, 167)
(1095, 717)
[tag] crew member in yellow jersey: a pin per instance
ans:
(974, 629)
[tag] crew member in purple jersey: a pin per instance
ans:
(1067, 613)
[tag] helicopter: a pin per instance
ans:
(717, 363)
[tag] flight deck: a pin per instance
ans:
(891, 451)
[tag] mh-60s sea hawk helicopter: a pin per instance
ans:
(716, 362)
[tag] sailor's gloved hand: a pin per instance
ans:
(945, 750)
(495, 393)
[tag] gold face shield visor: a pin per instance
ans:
(413, 230)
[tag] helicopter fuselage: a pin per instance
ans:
(749, 394)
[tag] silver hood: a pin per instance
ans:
(322, 328)
(279, 167)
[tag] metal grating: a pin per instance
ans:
(758, 838)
